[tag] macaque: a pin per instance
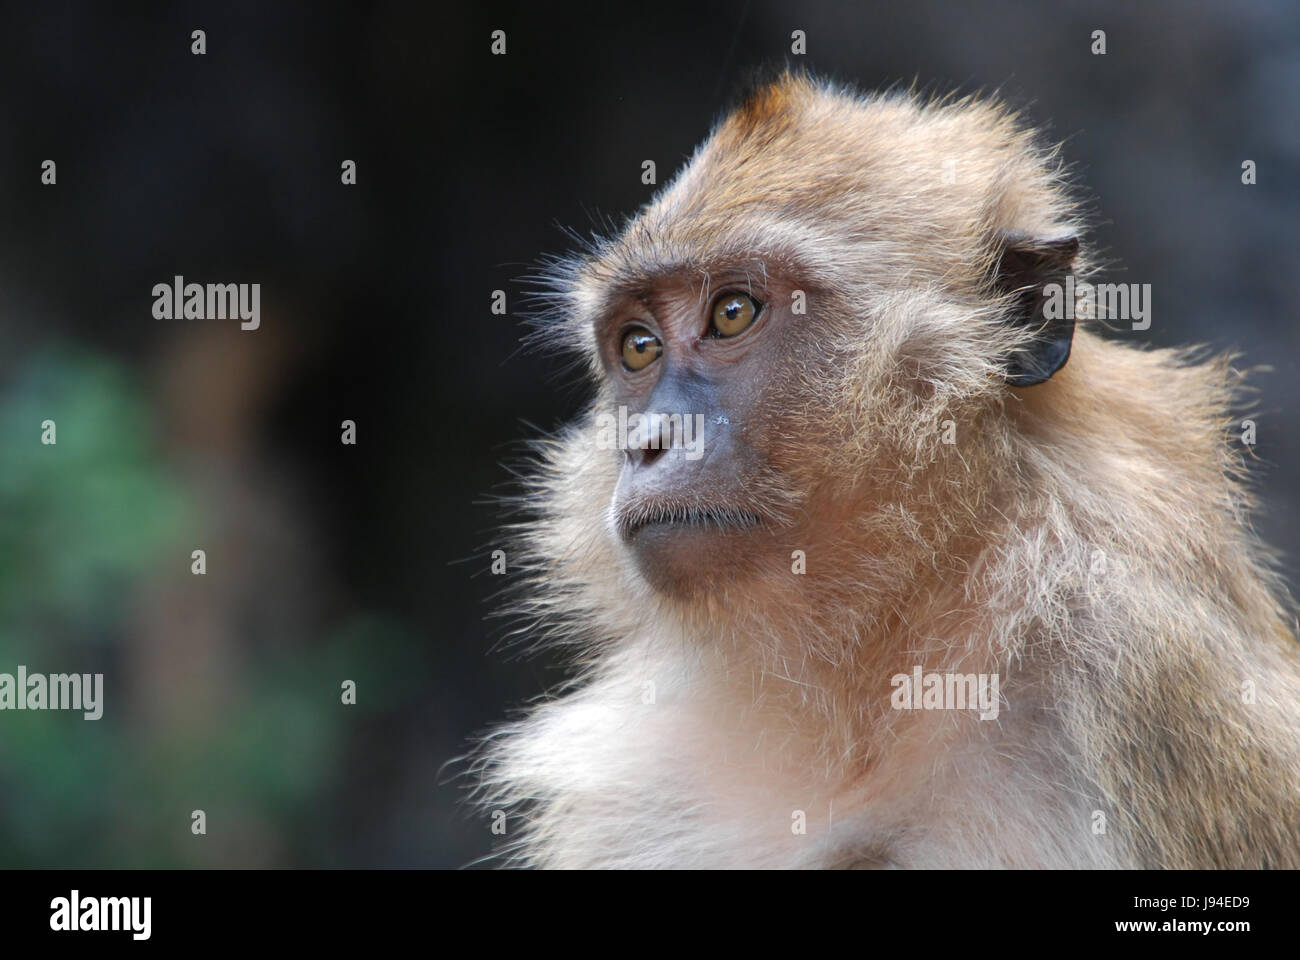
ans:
(952, 580)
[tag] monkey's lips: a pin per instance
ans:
(634, 522)
(685, 549)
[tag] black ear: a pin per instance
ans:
(1026, 265)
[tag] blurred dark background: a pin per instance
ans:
(329, 562)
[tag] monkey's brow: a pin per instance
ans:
(637, 280)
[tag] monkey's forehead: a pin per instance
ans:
(804, 172)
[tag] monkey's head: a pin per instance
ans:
(831, 284)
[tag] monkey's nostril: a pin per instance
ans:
(648, 455)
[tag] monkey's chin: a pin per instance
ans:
(686, 559)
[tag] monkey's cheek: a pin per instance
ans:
(685, 560)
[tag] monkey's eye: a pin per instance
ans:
(733, 313)
(640, 348)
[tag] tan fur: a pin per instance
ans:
(1121, 676)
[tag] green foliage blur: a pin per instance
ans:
(84, 522)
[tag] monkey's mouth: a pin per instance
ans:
(708, 519)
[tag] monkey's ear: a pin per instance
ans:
(1027, 264)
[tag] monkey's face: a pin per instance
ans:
(703, 488)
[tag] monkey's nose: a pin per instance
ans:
(656, 439)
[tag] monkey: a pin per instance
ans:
(909, 468)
